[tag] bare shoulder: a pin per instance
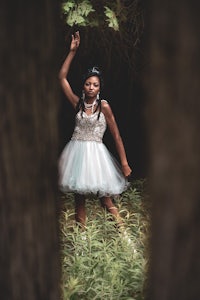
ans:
(103, 101)
(106, 108)
(104, 104)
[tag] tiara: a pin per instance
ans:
(94, 70)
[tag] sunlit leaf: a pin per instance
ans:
(111, 18)
(67, 6)
(84, 8)
(77, 13)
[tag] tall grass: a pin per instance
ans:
(102, 263)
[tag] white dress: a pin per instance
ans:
(85, 164)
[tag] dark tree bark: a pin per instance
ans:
(29, 247)
(173, 109)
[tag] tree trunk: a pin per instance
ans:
(30, 266)
(173, 108)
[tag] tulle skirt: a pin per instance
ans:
(87, 167)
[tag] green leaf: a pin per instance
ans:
(67, 6)
(77, 13)
(84, 8)
(111, 18)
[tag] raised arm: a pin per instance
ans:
(110, 119)
(73, 98)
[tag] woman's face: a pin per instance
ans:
(92, 87)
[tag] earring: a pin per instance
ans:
(83, 95)
(98, 96)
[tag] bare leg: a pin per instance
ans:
(80, 210)
(107, 203)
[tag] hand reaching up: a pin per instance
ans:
(75, 41)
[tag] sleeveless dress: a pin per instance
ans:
(85, 164)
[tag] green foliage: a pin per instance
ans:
(111, 18)
(79, 13)
(102, 262)
(112, 28)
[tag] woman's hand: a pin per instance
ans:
(75, 41)
(126, 170)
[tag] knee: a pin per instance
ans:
(107, 203)
(104, 202)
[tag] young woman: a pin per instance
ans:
(85, 165)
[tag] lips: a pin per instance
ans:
(90, 93)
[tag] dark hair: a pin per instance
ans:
(94, 71)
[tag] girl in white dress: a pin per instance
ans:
(85, 165)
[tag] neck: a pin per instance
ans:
(90, 100)
(90, 106)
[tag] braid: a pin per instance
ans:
(99, 105)
(80, 105)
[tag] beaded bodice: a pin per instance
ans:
(89, 127)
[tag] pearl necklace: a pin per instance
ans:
(90, 105)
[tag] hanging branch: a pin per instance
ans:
(119, 21)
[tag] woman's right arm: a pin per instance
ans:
(73, 98)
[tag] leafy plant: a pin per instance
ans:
(111, 18)
(111, 30)
(77, 14)
(101, 262)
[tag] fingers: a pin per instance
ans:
(76, 36)
(76, 39)
(126, 170)
(129, 175)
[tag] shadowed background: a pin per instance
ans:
(34, 129)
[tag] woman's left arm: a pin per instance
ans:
(112, 125)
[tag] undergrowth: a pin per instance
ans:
(102, 263)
